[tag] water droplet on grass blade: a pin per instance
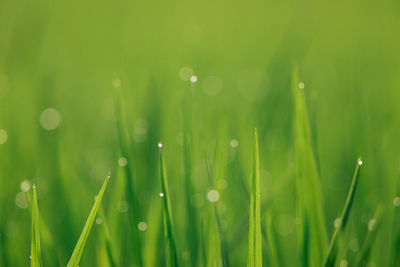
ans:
(122, 161)
(371, 225)
(3, 136)
(213, 195)
(193, 79)
(396, 201)
(142, 226)
(337, 223)
(234, 143)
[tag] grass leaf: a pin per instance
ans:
(80, 245)
(312, 237)
(255, 237)
(129, 187)
(170, 246)
(373, 226)
(36, 259)
(333, 246)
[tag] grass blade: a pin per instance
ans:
(309, 200)
(105, 231)
(255, 236)
(36, 259)
(170, 247)
(129, 187)
(80, 245)
(373, 226)
(395, 256)
(333, 246)
(271, 241)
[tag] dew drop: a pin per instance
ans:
(122, 161)
(142, 226)
(396, 201)
(213, 195)
(371, 225)
(193, 79)
(337, 223)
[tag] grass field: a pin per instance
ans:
(235, 133)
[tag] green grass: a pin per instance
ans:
(36, 257)
(312, 236)
(80, 245)
(255, 237)
(331, 257)
(169, 236)
(91, 86)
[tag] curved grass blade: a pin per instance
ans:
(36, 258)
(80, 245)
(333, 246)
(255, 237)
(373, 227)
(309, 202)
(169, 238)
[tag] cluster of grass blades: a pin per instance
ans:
(255, 237)
(343, 219)
(311, 232)
(313, 247)
(169, 237)
(36, 258)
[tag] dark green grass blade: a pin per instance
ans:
(373, 227)
(80, 245)
(105, 231)
(395, 255)
(255, 237)
(170, 245)
(36, 258)
(309, 202)
(272, 249)
(129, 188)
(333, 245)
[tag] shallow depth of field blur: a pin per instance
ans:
(61, 61)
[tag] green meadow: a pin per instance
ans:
(200, 133)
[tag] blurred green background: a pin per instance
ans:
(58, 61)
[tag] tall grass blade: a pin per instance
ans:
(395, 256)
(105, 231)
(36, 258)
(169, 238)
(373, 227)
(80, 245)
(309, 202)
(342, 220)
(271, 241)
(129, 187)
(255, 237)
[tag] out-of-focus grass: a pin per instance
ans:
(65, 57)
